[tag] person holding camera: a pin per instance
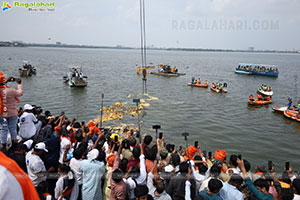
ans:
(8, 109)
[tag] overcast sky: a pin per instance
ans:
(233, 24)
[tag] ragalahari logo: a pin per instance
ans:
(5, 6)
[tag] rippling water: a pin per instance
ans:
(218, 121)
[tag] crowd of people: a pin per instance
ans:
(54, 157)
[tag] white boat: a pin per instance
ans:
(75, 78)
(281, 110)
(266, 93)
(27, 70)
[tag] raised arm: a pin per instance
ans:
(19, 92)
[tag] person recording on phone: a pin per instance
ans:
(8, 109)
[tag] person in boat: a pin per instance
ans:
(199, 81)
(259, 97)
(251, 98)
(168, 69)
(221, 87)
(76, 73)
(206, 82)
(290, 103)
(268, 98)
(193, 78)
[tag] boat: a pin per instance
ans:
(279, 109)
(257, 69)
(174, 74)
(27, 70)
(291, 115)
(213, 88)
(257, 102)
(75, 78)
(266, 93)
(167, 70)
(204, 85)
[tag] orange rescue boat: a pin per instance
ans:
(291, 115)
(213, 88)
(205, 85)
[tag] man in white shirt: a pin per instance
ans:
(65, 146)
(199, 178)
(35, 166)
(29, 125)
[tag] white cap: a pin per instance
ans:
(28, 143)
(92, 155)
(41, 146)
(28, 107)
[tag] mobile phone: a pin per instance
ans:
(196, 144)
(62, 113)
(287, 166)
(240, 156)
(185, 134)
(131, 132)
(13, 79)
(116, 138)
(160, 135)
(180, 148)
(204, 153)
(156, 126)
(209, 155)
(270, 164)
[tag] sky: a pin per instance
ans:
(224, 24)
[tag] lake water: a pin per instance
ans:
(217, 121)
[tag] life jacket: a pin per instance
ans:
(29, 191)
(2, 106)
(251, 97)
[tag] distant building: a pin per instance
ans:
(251, 49)
(58, 43)
(119, 46)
